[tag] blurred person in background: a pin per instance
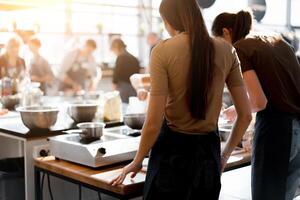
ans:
(126, 65)
(152, 40)
(271, 74)
(79, 71)
(11, 64)
(40, 69)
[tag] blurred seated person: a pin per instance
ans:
(152, 40)
(11, 64)
(40, 69)
(126, 65)
(79, 71)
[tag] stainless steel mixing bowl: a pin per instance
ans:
(135, 121)
(91, 129)
(10, 102)
(82, 112)
(38, 117)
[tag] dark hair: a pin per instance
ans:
(92, 43)
(239, 24)
(119, 43)
(35, 41)
(186, 16)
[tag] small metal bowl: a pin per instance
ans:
(225, 131)
(10, 102)
(135, 121)
(91, 130)
(82, 112)
(38, 117)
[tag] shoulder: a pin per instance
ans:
(250, 41)
(126, 56)
(176, 41)
(223, 48)
(221, 44)
(172, 46)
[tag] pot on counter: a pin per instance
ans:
(91, 130)
(38, 117)
(10, 102)
(135, 121)
(83, 111)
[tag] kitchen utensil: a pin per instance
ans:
(91, 130)
(82, 112)
(38, 117)
(135, 121)
(10, 102)
(111, 149)
(225, 131)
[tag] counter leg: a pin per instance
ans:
(29, 166)
(37, 183)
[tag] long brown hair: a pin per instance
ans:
(239, 24)
(186, 16)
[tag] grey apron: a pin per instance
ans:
(271, 154)
(184, 167)
(77, 73)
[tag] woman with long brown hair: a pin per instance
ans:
(11, 64)
(188, 73)
(271, 73)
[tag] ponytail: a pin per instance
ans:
(186, 16)
(239, 24)
(242, 25)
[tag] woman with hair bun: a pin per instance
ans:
(271, 73)
(188, 73)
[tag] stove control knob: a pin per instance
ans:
(102, 150)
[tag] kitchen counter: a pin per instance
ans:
(14, 126)
(98, 179)
(18, 141)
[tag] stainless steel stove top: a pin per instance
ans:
(115, 146)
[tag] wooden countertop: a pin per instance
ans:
(96, 177)
(101, 177)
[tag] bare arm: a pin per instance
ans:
(257, 97)
(156, 110)
(152, 126)
(244, 117)
(150, 133)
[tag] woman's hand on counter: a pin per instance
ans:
(134, 167)
(224, 160)
(150, 132)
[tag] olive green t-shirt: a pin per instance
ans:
(169, 68)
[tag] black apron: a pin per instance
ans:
(184, 167)
(271, 154)
(126, 90)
